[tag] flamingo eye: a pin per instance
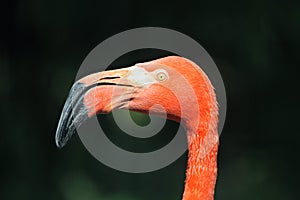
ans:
(161, 76)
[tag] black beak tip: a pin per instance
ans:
(63, 135)
(60, 142)
(73, 115)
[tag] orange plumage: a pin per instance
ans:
(161, 82)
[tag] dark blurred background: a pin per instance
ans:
(254, 43)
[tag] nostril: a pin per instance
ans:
(117, 84)
(110, 77)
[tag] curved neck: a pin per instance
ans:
(203, 142)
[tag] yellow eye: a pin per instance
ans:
(161, 76)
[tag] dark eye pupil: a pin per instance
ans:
(161, 76)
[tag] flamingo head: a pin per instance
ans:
(170, 86)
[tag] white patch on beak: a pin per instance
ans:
(140, 76)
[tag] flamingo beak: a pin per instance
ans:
(96, 93)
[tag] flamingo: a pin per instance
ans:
(140, 87)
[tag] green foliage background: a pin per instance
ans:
(254, 43)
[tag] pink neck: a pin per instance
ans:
(203, 142)
(201, 171)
